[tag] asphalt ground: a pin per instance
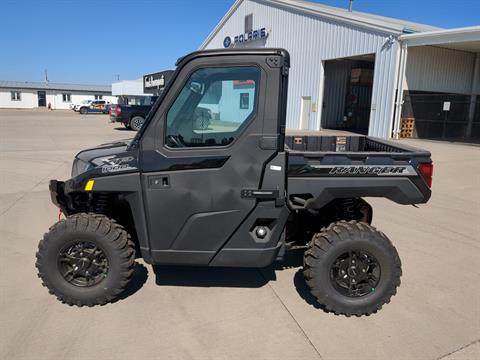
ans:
(206, 313)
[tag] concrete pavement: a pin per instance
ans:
(200, 313)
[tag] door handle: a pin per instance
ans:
(259, 194)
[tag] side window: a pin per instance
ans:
(213, 107)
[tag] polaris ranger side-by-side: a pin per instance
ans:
(239, 192)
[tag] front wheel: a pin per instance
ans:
(351, 268)
(83, 111)
(136, 123)
(86, 259)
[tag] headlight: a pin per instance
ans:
(79, 167)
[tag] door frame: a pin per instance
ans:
(321, 87)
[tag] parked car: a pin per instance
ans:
(76, 107)
(132, 116)
(96, 106)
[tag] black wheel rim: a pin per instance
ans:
(355, 273)
(83, 264)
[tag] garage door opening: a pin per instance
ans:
(348, 93)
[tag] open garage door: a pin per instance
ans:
(348, 93)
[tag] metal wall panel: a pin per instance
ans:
(311, 39)
(384, 83)
(437, 69)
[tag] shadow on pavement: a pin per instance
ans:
(224, 277)
(122, 129)
(140, 276)
(197, 276)
(303, 290)
(294, 259)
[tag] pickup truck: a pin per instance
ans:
(240, 192)
(132, 116)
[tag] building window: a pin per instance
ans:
(98, 97)
(16, 95)
(248, 23)
(244, 100)
(66, 97)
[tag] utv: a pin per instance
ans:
(239, 192)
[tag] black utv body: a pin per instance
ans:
(237, 192)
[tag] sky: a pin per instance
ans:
(96, 42)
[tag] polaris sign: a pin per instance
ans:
(245, 38)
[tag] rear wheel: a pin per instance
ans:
(351, 268)
(86, 259)
(136, 123)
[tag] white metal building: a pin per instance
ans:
(347, 67)
(130, 92)
(128, 87)
(29, 95)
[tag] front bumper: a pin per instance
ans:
(57, 194)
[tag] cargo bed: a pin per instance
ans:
(345, 143)
(323, 168)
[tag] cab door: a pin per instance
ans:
(216, 127)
